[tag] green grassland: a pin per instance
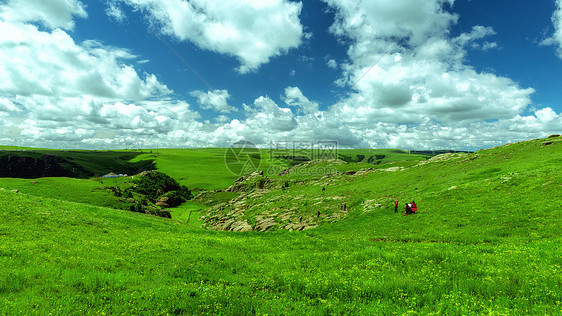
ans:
(87, 191)
(203, 168)
(486, 240)
(74, 163)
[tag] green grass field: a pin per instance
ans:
(486, 241)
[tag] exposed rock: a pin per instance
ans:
(295, 226)
(442, 157)
(310, 226)
(257, 173)
(546, 143)
(364, 171)
(241, 226)
(553, 136)
(226, 225)
(351, 172)
(264, 224)
(393, 169)
(15, 191)
(312, 163)
(453, 187)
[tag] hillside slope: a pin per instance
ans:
(493, 187)
(75, 164)
(489, 246)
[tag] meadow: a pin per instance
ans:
(486, 240)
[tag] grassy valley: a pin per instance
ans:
(485, 240)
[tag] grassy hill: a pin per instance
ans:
(75, 164)
(486, 241)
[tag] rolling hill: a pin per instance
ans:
(486, 240)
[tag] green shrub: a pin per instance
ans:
(154, 184)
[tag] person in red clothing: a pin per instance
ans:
(408, 209)
(414, 207)
(396, 206)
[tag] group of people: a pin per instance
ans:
(411, 208)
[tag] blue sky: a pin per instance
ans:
(409, 74)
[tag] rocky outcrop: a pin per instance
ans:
(363, 171)
(240, 226)
(312, 163)
(265, 221)
(443, 157)
(255, 180)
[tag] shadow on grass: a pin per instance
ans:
(73, 164)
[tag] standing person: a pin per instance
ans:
(414, 207)
(396, 206)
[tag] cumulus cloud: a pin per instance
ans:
(267, 122)
(51, 14)
(265, 114)
(214, 100)
(7, 106)
(261, 127)
(420, 94)
(251, 31)
(478, 32)
(424, 76)
(556, 38)
(488, 45)
(54, 90)
(35, 62)
(294, 97)
(332, 64)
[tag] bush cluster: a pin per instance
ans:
(154, 184)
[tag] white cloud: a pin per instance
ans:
(7, 106)
(489, 45)
(34, 62)
(222, 118)
(265, 114)
(556, 38)
(387, 19)
(114, 11)
(294, 97)
(471, 39)
(54, 90)
(251, 31)
(478, 32)
(51, 14)
(214, 100)
(332, 64)
(424, 76)
(266, 122)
